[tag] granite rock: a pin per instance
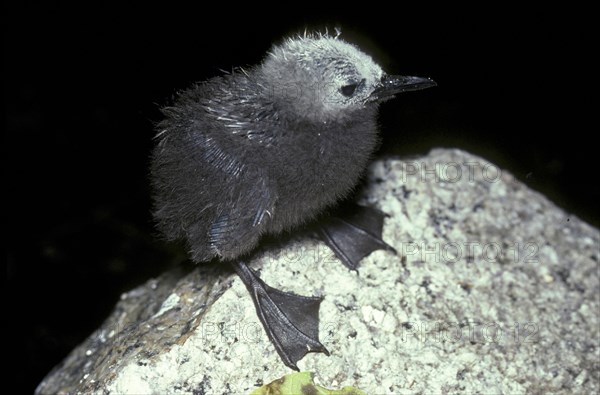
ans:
(494, 289)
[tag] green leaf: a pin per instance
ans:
(301, 384)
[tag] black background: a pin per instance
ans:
(82, 88)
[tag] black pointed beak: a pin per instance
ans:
(392, 84)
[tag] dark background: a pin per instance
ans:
(82, 88)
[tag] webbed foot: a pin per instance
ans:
(354, 233)
(291, 321)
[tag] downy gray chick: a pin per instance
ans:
(264, 150)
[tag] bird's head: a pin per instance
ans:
(323, 78)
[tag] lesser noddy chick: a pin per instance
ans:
(266, 149)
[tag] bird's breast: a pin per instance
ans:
(318, 170)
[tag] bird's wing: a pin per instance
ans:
(243, 214)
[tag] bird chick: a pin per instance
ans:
(266, 149)
(263, 150)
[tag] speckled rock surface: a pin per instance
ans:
(493, 290)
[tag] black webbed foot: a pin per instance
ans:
(353, 233)
(291, 321)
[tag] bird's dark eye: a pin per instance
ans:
(348, 90)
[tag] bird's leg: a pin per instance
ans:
(291, 321)
(353, 233)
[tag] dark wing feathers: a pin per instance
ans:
(211, 185)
